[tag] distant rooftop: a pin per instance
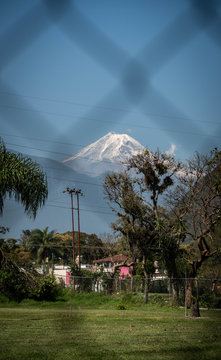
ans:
(113, 259)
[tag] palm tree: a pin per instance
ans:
(23, 179)
(44, 246)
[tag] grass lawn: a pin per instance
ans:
(89, 329)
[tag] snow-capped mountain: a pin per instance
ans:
(109, 153)
(104, 155)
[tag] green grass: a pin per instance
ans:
(91, 327)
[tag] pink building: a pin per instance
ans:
(125, 271)
(113, 263)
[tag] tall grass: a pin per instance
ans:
(86, 327)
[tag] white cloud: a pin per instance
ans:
(171, 150)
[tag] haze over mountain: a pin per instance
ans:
(84, 170)
(109, 153)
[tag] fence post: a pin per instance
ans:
(131, 284)
(197, 290)
(169, 291)
(186, 310)
(145, 290)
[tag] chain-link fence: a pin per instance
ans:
(157, 290)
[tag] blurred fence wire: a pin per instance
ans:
(134, 74)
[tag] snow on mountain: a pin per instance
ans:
(106, 154)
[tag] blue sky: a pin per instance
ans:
(71, 73)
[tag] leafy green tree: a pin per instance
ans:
(157, 171)
(135, 197)
(134, 216)
(172, 255)
(17, 276)
(44, 246)
(91, 247)
(22, 179)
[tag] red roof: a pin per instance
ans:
(113, 259)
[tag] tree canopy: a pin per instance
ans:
(22, 179)
(134, 197)
(196, 202)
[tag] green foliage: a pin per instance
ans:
(13, 283)
(120, 306)
(135, 200)
(135, 220)
(86, 280)
(157, 170)
(17, 284)
(157, 299)
(46, 289)
(171, 256)
(91, 247)
(149, 268)
(16, 275)
(44, 245)
(23, 179)
(18, 278)
(159, 286)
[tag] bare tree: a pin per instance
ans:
(196, 202)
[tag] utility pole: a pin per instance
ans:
(70, 192)
(77, 193)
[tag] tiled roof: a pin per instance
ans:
(113, 259)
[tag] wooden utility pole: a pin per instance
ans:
(77, 193)
(70, 192)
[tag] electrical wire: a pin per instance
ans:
(107, 108)
(68, 208)
(114, 122)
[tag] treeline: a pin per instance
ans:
(43, 246)
(20, 260)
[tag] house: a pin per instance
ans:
(124, 265)
(114, 263)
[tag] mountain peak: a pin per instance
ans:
(106, 154)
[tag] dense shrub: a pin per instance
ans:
(121, 306)
(13, 283)
(46, 289)
(20, 283)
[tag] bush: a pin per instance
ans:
(46, 289)
(121, 306)
(13, 283)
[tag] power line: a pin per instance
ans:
(68, 208)
(60, 246)
(33, 148)
(89, 204)
(74, 181)
(43, 140)
(102, 247)
(70, 102)
(60, 153)
(108, 108)
(69, 155)
(128, 124)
